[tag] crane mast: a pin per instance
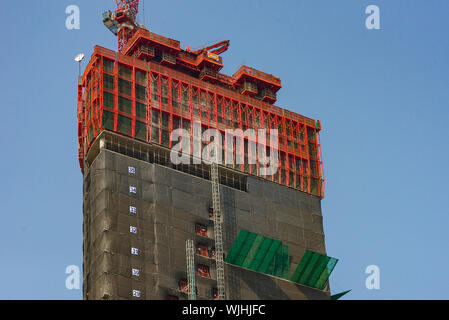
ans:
(125, 16)
(123, 22)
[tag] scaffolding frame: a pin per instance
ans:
(218, 231)
(174, 100)
(190, 257)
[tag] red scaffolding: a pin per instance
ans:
(146, 96)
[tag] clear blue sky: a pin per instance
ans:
(382, 97)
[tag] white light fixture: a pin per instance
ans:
(79, 57)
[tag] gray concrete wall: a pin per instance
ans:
(169, 203)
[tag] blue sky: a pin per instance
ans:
(381, 95)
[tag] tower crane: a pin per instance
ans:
(123, 22)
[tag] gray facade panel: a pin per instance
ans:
(168, 205)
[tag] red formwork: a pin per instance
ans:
(147, 100)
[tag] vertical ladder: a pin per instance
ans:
(218, 232)
(190, 254)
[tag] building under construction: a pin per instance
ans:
(154, 229)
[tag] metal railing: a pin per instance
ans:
(256, 73)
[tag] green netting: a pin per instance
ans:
(267, 265)
(155, 134)
(282, 263)
(301, 266)
(108, 81)
(286, 260)
(108, 100)
(124, 86)
(108, 65)
(141, 76)
(311, 134)
(326, 272)
(230, 258)
(124, 125)
(317, 271)
(108, 120)
(91, 134)
(252, 252)
(124, 105)
(269, 256)
(312, 150)
(339, 295)
(140, 92)
(245, 249)
(308, 269)
(124, 71)
(141, 131)
(260, 253)
(141, 110)
(314, 269)
(314, 168)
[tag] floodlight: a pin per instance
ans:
(79, 57)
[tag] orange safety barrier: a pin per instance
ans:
(201, 230)
(203, 270)
(202, 251)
